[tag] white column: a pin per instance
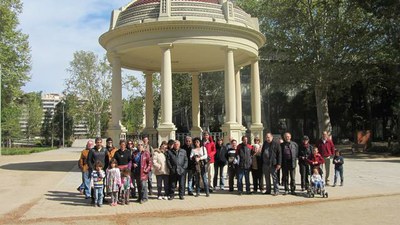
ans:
(149, 101)
(238, 97)
(256, 126)
(255, 93)
(196, 129)
(230, 94)
(114, 130)
(166, 129)
(166, 85)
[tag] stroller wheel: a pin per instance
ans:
(326, 194)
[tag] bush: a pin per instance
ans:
(23, 151)
(395, 148)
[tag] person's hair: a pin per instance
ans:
(256, 139)
(98, 139)
(163, 143)
(122, 141)
(220, 139)
(338, 151)
(131, 140)
(206, 132)
(196, 139)
(316, 168)
(98, 164)
(233, 140)
(188, 137)
(126, 172)
(145, 136)
(113, 161)
(171, 142)
(109, 139)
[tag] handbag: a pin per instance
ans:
(207, 160)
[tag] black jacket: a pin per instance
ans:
(177, 161)
(294, 151)
(244, 155)
(274, 153)
(304, 152)
(220, 155)
(188, 149)
(95, 155)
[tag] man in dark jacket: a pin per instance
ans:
(220, 163)
(177, 162)
(187, 146)
(272, 161)
(305, 149)
(98, 153)
(244, 155)
(289, 157)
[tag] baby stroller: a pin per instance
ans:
(317, 187)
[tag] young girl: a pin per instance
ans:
(316, 179)
(97, 183)
(126, 184)
(338, 162)
(113, 181)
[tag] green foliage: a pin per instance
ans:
(32, 111)
(64, 117)
(47, 129)
(90, 79)
(182, 100)
(23, 151)
(132, 113)
(14, 66)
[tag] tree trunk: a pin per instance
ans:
(324, 120)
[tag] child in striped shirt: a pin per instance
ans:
(97, 182)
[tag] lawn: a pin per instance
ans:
(24, 151)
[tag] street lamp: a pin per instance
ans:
(63, 124)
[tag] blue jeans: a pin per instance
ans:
(85, 183)
(190, 176)
(246, 174)
(338, 173)
(219, 171)
(98, 196)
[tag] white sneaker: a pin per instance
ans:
(160, 198)
(165, 198)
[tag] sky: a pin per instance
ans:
(57, 29)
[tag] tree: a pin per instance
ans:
(315, 47)
(132, 113)
(90, 79)
(63, 119)
(34, 113)
(47, 130)
(14, 65)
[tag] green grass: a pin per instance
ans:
(24, 151)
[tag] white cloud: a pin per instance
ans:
(58, 28)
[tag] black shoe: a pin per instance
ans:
(293, 193)
(197, 195)
(207, 195)
(170, 198)
(249, 193)
(190, 193)
(230, 190)
(240, 193)
(211, 190)
(285, 193)
(181, 198)
(267, 193)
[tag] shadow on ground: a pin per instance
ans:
(68, 198)
(56, 166)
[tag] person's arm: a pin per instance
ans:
(185, 161)
(81, 161)
(205, 155)
(278, 156)
(155, 161)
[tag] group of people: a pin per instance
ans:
(199, 166)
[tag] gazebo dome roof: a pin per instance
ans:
(198, 30)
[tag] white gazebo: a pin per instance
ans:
(185, 36)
